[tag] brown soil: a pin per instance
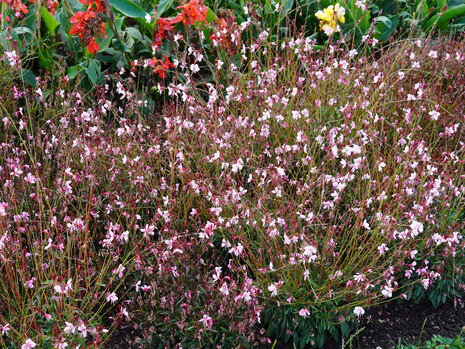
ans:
(383, 326)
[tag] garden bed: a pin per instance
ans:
(218, 179)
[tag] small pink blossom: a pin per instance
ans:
(28, 344)
(111, 297)
(207, 321)
(304, 312)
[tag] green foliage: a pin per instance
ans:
(283, 321)
(437, 342)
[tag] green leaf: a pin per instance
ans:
(287, 6)
(93, 71)
(211, 16)
(23, 30)
(128, 8)
(29, 77)
(453, 12)
(50, 22)
(45, 59)
(134, 33)
(162, 6)
(385, 26)
(105, 42)
(345, 329)
(73, 71)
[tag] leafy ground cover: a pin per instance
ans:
(270, 185)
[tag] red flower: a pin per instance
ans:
(162, 27)
(160, 67)
(17, 6)
(93, 46)
(87, 25)
(80, 22)
(99, 6)
(191, 12)
(52, 6)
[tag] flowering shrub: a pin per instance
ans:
(291, 189)
(305, 163)
(192, 304)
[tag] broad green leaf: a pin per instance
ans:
(432, 21)
(73, 71)
(50, 22)
(23, 30)
(134, 33)
(29, 77)
(453, 3)
(93, 71)
(385, 26)
(105, 42)
(45, 61)
(422, 8)
(287, 6)
(453, 12)
(128, 8)
(163, 5)
(211, 16)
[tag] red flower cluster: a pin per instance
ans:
(88, 24)
(191, 12)
(52, 6)
(17, 6)
(162, 28)
(161, 67)
(21, 9)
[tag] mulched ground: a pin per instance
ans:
(384, 325)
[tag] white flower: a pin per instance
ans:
(5, 329)
(224, 289)
(111, 297)
(273, 289)
(359, 311)
(207, 321)
(434, 114)
(29, 343)
(148, 19)
(433, 54)
(69, 328)
(416, 227)
(58, 289)
(387, 291)
(366, 225)
(83, 329)
(12, 57)
(194, 68)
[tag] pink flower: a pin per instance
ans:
(207, 321)
(61, 344)
(30, 283)
(5, 329)
(69, 328)
(224, 289)
(304, 312)
(28, 344)
(111, 297)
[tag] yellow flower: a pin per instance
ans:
(329, 18)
